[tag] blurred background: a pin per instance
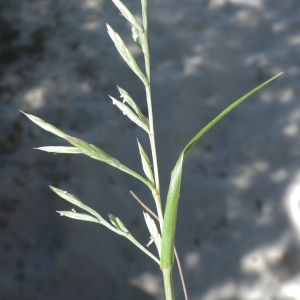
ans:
(238, 229)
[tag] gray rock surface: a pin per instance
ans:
(238, 227)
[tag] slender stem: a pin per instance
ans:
(156, 193)
(181, 274)
(134, 241)
(152, 135)
(175, 251)
(129, 236)
(168, 283)
(167, 273)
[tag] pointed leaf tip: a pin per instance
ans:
(168, 235)
(46, 126)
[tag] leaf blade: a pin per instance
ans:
(170, 217)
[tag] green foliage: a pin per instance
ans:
(170, 216)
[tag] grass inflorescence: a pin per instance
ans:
(163, 235)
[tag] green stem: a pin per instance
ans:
(134, 241)
(167, 273)
(130, 237)
(168, 284)
(156, 193)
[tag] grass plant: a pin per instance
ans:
(163, 236)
